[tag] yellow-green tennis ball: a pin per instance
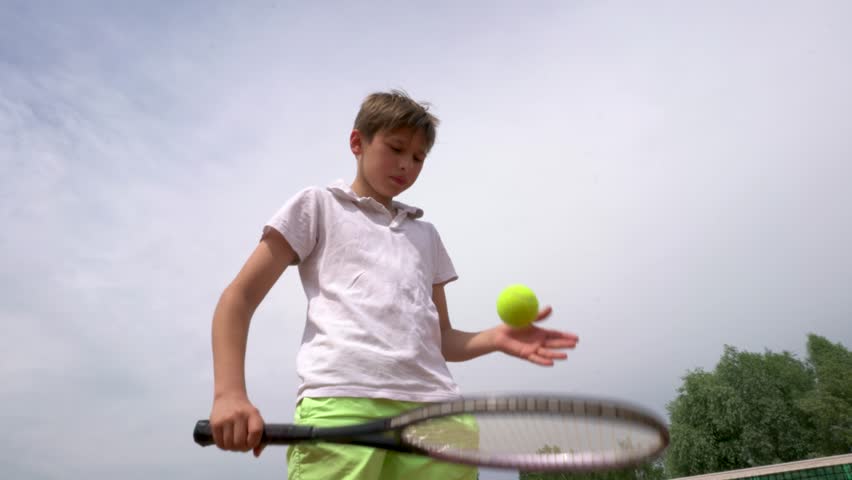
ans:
(517, 306)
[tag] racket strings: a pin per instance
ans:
(586, 436)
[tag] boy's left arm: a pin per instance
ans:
(535, 344)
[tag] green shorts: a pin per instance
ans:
(351, 462)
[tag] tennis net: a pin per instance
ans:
(838, 467)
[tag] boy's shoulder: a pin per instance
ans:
(309, 195)
(311, 190)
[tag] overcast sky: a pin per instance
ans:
(670, 176)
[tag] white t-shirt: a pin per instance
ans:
(372, 329)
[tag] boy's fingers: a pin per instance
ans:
(258, 449)
(240, 435)
(544, 313)
(255, 432)
(552, 354)
(560, 343)
(227, 436)
(217, 435)
(539, 360)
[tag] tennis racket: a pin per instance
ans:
(527, 433)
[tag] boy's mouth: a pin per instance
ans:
(398, 180)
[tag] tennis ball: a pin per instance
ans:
(517, 306)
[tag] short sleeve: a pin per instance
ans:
(298, 222)
(444, 269)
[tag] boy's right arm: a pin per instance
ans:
(236, 423)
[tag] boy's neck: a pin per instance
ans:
(363, 189)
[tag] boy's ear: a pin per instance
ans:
(356, 142)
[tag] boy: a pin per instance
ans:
(378, 335)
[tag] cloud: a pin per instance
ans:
(670, 179)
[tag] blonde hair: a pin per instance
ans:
(392, 110)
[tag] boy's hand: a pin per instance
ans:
(534, 344)
(237, 424)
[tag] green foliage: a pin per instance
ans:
(753, 409)
(829, 404)
(773, 429)
(759, 409)
(648, 471)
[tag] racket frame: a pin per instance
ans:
(387, 433)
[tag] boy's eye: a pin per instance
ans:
(418, 159)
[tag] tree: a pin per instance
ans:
(648, 471)
(753, 409)
(829, 403)
(759, 409)
(745, 413)
(774, 429)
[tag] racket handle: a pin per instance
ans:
(272, 433)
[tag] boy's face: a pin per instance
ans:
(388, 164)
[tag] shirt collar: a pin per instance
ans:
(344, 191)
